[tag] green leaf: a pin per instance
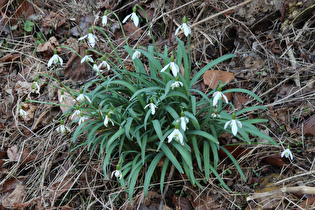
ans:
(186, 155)
(206, 158)
(150, 171)
(197, 152)
(172, 157)
(28, 26)
(203, 134)
(157, 128)
(133, 181)
(114, 137)
(239, 90)
(234, 162)
(165, 166)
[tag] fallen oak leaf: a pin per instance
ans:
(213, 77)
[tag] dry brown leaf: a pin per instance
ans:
(74, 69)
(181, 203)
(133, 31)
(13, 199)
(24, 9)
(9, 57)
(309, 126)
(53, 20)
(47, 49)
(10, 184)
(235, 150)
(212, 78)
(274, 160)
(13, 153)
(68, 101)
(239, 100)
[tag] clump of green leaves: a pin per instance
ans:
(150, 115)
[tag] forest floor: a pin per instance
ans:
(273, 41)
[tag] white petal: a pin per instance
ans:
(291, 156)
(126, 18)
(152, 106)
(177, 30)
(216, 97)
(87, 98)
(174, 68)
(234, 127)
(165, 67)
(83, 59)
(135, 19)
(226, 124)
(224, 97)
(60, 60)
(104, 20)
(171, 136)
(83, 37)
(186, 28)
(50, 61)
(239, 123)
(106, 121)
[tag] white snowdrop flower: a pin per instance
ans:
(91, 38)
(176, 84)
(215, 114)
(82, 97)
(136, 54)
(22, 112)
(55, 59)
(287, 153)
(133, 16)
(96, 68)
(82, 119)
(87, 58)
(62, 128)
(234, 124)
(104, 64)
(117, 174)
(76, 114)
(218, 96)
(173, 66)
(176, 134)
(36, 87)
(108, 119)
(152, 107)
(184, 27)
(62, 97)
(183, 121)
(104, 18)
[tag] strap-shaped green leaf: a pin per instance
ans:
(172, 157)
(150, 171)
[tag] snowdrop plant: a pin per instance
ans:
(184, 27)
(137, 119)
(133, 17)
(55, 59)
(91, 38)
(104, 18)
(287, 153)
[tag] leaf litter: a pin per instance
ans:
(275, 59)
